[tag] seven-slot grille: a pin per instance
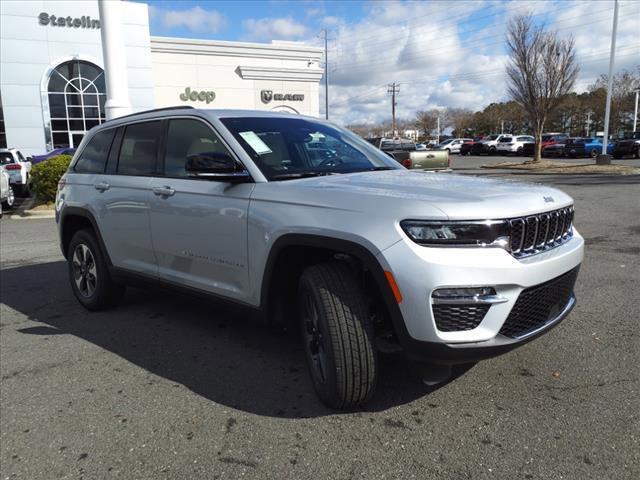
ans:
(535, 233)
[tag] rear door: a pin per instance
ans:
(199, 226)
(122, 195)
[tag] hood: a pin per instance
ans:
(419, 194)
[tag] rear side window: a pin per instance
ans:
(139, 149)
(94, 156)
(188, 137)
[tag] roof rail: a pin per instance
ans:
(162, 109)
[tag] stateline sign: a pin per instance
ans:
(84, 21)
(195, 96)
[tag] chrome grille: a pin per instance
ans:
(536, 233)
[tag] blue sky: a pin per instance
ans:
(444, 53)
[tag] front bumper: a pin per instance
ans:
(419, 271)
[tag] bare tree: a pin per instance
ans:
(426, 121)
(541, 70)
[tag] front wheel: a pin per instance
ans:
(89, 274)
(338, 335)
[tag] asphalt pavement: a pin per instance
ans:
(172, 387)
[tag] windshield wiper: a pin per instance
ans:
(284, 176)
(377, 169)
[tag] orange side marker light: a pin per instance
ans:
(394, 286)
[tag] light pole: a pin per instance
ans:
(604, 159)
(635, 111)
(114, 56)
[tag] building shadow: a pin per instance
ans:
(217, 352)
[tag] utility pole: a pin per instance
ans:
(326, 75)
(393, 89)
(501, 126)
(438, 132)
(588, 122)
(635, 111)
(604, 159)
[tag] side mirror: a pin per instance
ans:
(215, 166)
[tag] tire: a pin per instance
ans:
(617, 156)
(492, 150)
(88, 273)
(337, 335)
(519, 151)
(637, 154)
(11, 198)
(593, 153)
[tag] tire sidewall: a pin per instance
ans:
(328, 390)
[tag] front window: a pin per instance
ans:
(285, 148)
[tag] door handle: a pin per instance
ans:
(163, 191)
(102, 186)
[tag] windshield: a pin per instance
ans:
(294, 147)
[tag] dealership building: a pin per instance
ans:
(52, 79)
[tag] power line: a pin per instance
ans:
(358, 65)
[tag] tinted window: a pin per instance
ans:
(6, 157)
(95, 154)
(188, 137)
(139, 149)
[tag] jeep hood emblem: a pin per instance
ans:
(548, 199)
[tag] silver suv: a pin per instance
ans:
(308, 223)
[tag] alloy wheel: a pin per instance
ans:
(84, 270)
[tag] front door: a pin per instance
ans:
(199, 227)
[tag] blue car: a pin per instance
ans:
(586, 147)
(53, 153)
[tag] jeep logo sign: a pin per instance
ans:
(196, 96)
(267, 95)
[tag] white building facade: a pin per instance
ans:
(52, 86)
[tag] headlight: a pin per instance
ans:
(481, 233)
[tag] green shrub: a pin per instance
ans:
(46, 175)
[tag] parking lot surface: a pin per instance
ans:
(167, 386)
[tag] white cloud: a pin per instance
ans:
(273, 29)
(196, 19)
(444, 57)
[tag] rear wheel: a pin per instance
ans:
(11, 198)
(89, 274)
(338, 335)
(594, 153)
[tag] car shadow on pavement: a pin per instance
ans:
(220, 354)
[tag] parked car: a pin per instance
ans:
(363, 255)
(453, 144)
(586, 147)
(19, 170)
(53, 153)
(405, 152)
(513, 145)
(628, 145)
(546, 140)
(488, 144)
(466, 147)
(421, 146)
(7, 197)
(557, 150)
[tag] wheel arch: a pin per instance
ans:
(73, 219)
(317, 248)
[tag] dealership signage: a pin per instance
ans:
(84, 21)
(195, 96)
(268, 95)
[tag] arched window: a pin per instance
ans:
(77, 95)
